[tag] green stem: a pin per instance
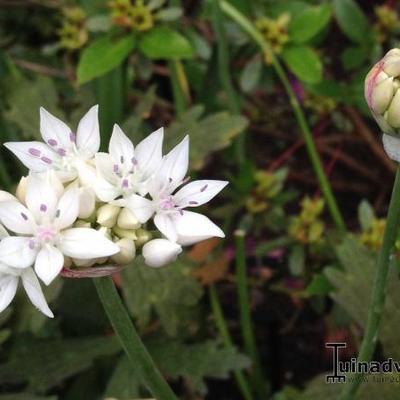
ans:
(245, 317)
(378, 294)
(141, 361)
(224, 73)
(226, 338)
(316, 163)
(180, 87)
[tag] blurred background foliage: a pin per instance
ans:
(189, 67)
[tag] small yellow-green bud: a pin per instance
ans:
(127, 253)
(127, 220)
(143, 237)
(82, 224)
(107, 215)
(125, 233)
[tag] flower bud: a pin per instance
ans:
(127, 253)
(159, 252)
(125, 233)
(20, 192)
(382, 92)
(80, 223)
(107, 215)
(127, 220)
(143, 237)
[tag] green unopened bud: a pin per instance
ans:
(107, 215)
(143, 237)
(127, 253)
(382, 92)
(127, 220)
(125, 233)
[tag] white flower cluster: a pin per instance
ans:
(80, 207)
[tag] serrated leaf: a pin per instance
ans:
(352, 20)
(207, 135)
(304, 63)
(45, 363)
(165, 43)
(310, 22)
(170, 292)
(102, 56)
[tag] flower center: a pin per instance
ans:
(46, 234)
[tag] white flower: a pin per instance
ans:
(46, 223)
(126, 170)
(159, 252)
(62, 150)
(9, 278)
(176, 224)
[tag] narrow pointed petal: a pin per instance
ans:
(16, 218)
(142, 208)
(49, 263)
(193, 227)
(120, 147)
(105, 167)
(67, 209)
(175, 163)
(8, 288)
(88, 133)
(196, 193)
(54, 132)
(105, 191)
(148, 152)
(87, 202)
(86, 243)
(34, 291)
(166, 225)
(160, 252)
(86, 172)
(36, 156)
(41, 196)
(16, 252)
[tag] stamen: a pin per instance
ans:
(24, 216)
(72, 137)
(134, 161)
(203, 188)
(58, 213)
(181, 212)
(125, 183)
(122, 159)
(31, 244)
(193, 202)
(115, 168)
(46, 160)
(43, 208)
(34, 152)
(52, 142)
(170, 180)
(61, 152)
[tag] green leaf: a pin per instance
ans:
(297, 260)
(353, 57)
(352, 20)
(309, 23)
(207, 135)
(319, 285)
(251, 74)
(102, 56)
(165, 43)
(169, 14)
(46, 363)
(171, 292)
(365, 214)
(304, 63)
(25, 396)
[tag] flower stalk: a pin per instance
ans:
(378, 294)
(313, 155)
(141, 361)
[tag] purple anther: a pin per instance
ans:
(134, 161)
(52, 142)
(43, 208)
(170, 180)
(34, 152)
(115, 168)
(203, 188)
(125, 183)
(193, 202)
(24, 216)
(122, 159)
(72, 137)
(46, 160)
(61, 152)
(58, 213)
(31, 244)
(181, 212)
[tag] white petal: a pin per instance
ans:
(193, 227)
(3, 232)
(15, 251)
(16, 217)
(175, 164)
(49, 263)
(148, 152)
(105, 167)
(142, 208)
(34, 291)
(41, 196)
(159, 252)
(88, 133)
(5, 196)
(105, 191)
(54, 132)
(391, 145)
(120, 147)
(86, 243)
(87, 202)
(36, 156)
(67, 209)
(86, 172)
(165, 223)
(8, 288)
(196, 193)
